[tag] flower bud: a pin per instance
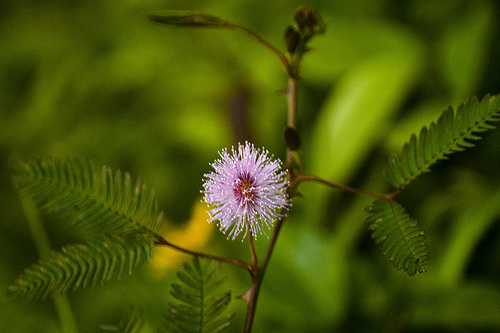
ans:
(187, 18)
(308, 20)
(292, 138)
(292, 38)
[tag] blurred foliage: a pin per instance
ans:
(98, 80)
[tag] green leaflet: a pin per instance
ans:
(198, 308)
(133, 323)
(398, 235)
(453, 132)
(82, 265)
(96, 202)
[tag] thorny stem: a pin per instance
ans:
(291, 93)
(257, 273)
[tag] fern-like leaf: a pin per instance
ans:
(133, 323)
(96, 202)
(199, 308)
(453, 132)
(82, 265)
(398, 235)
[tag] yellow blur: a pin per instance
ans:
(193, 236)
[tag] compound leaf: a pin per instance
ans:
(94, 201)
(198, 307)
(398, 236)
(82, 265)
(453, 132)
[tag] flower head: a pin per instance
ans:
(246, 191)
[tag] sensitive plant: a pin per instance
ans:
(247, 192)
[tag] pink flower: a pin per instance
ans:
(246, 191)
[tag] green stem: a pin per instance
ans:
(254, 261)
(291, 93)
(42, 244)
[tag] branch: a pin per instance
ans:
(194, 19)
(160, 240)
(342, 187)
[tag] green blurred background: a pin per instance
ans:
(96, 79)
